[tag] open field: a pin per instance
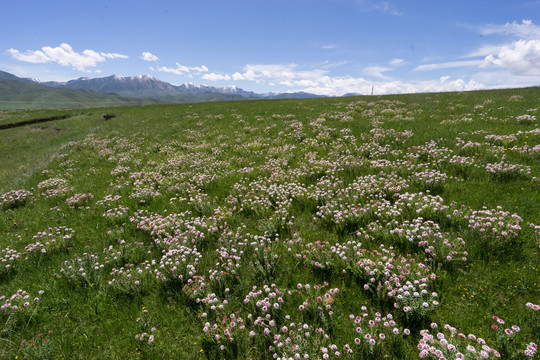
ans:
(382, 227)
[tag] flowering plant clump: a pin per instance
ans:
(302, 341)
(509, 342)
(116, 213)
(447, 343)
(501, 139)
(16, 309)
(317, 255)
(124, 252)
(430, 179)
(505, 170)
(394, 279)
(39, 347)
(494, 228)
(7, 258)
(268, 302)
(316, 303)
(54, 187)
(15, 198)
(526, 119)
(194, 289)
(82, 271)
(420, 204)
(374, 332)
(223, 334)
(147, 329)
(79, 200)
(427, 235)
(131, 279)
(177, 228)
(109, 200)
(52, 239)
(177, 265)
(146, 186)
(462, 162)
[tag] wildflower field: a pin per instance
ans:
(381, 227)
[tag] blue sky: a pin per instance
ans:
(327, 47)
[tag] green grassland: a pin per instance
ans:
(191, 231)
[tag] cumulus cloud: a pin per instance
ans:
(337, 86)
(184, 70)
(527, 29)
(147, 56)
(216, 77)
(320, 82)
(520, 58)
(65, 56)
(277, 72)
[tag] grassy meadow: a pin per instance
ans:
(380, 227)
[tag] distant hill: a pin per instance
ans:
(7, 76)
(17, 93)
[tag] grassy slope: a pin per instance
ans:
(17, 94)
(90, 321)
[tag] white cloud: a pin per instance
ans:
(449, 64)
(397, 62)
(337, 86)
(328, 47)
(318, 81)
(112, 55)
(329, 65)
(520, 58)
(376, 71)
(298, 83)
(276, 72)
(65, 56)
(525, 30)
(147, 56)
(501, 78)
(216, 77)
(183, 70)
(484, 51)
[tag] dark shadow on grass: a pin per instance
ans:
(34, 121)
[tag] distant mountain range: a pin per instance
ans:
(145, 86)
(124, 90)
(20, 93)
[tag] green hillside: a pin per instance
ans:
(19, 94)
(376, 227)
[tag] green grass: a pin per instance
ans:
(245, 175)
